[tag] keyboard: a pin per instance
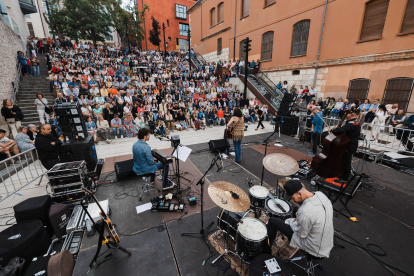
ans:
(161, 157)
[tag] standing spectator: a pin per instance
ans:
(47, 147)
(13, 115)
(35, 66)
(41, 105)
(23, 61)
(380, 116)
(23, 140)
(117, 127)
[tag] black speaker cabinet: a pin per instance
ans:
(59, 215)
(78, 151)
(124, 169)
(175, 140)
(288, 124)
(218, 145)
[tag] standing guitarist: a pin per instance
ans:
(352, 130)
(317, 125)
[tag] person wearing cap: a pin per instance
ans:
(312, 229)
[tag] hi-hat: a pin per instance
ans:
(280, 164)
(225, 194)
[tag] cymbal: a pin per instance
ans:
(283, 181)
(221, 193)
(280, 164)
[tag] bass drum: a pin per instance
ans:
(251, 238)
(232, 219)
(272, 211)
(258, 195)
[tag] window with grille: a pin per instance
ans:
(183, 29)
(180, 11)
(398, 91)
(408, 22)
(242, 52)
(300, 38)
(245, 8)
(219, 45)
(374, 19)
(267, 46)
(220, 12)
(213, 17)
(269, 2)
(358, 89)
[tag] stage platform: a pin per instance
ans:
(158, 248)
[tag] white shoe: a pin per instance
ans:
(376, 141)
(116, 137)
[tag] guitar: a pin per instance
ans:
(110, 228)
(230, 130)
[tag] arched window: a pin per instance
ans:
(358, 89)
(300, 38)
(242, 52)
(374, 19)
(220, 8)
(267, 46)
(408, 22)
(212, 17)
(398, 90)
(245, 8)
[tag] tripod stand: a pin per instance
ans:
(201, 182)
(266, 141)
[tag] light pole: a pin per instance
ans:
(246, 68)
(165, 47)
(189, 48)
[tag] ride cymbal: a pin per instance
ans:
(280, 164)
(228, 196)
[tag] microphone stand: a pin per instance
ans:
(201, 182)
(266, 141)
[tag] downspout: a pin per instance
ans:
(234, 36)
(201, 20)
(320, 43)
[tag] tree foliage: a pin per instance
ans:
(93, 19)
(134, 21)
(154, 37)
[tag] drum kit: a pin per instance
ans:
(239, 218)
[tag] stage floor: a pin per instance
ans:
(158, 248)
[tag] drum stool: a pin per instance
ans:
(311, 262)
(147, 187)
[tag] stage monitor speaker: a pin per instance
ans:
(308, 121)
(67, 109)
(35, 208)
(124, 169)
(78, 151)
(59, 215)
(288, 124)
(219, 145)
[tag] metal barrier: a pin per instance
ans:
(13, 98)
(380, 136)
(15, 176)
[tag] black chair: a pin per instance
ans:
(311, 262)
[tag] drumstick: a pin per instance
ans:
(277, 204)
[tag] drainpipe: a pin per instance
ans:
(320, 42)
(234, 36)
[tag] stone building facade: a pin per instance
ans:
(11, 43)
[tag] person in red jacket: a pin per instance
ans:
(220, 115)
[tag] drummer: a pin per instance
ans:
(312, 229)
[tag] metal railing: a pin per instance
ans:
(16, 83)
(380, 137)
(19, 171)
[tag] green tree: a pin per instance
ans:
(154, 37)
(134, 20)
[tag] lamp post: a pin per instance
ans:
(189, 49)
(165, 47)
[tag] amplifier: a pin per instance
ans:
(58, 180)
(67, 109)
(69, 196)
(219, 145)
(83, 150)
(76, 220)
(73, 242)
(123, 169)
(175, 140)
(66, 188)
(66, 169)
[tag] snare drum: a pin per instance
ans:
(258, 195)
(232, 219)
(251, 238)
(273, 211)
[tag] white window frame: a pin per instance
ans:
(177, 11)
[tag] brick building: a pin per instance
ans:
(360, 49)
(173, 13)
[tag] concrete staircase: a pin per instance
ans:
(28, 89)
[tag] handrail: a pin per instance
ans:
(268, 82)
(200, 58)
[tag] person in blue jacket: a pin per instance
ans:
(317, 126)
